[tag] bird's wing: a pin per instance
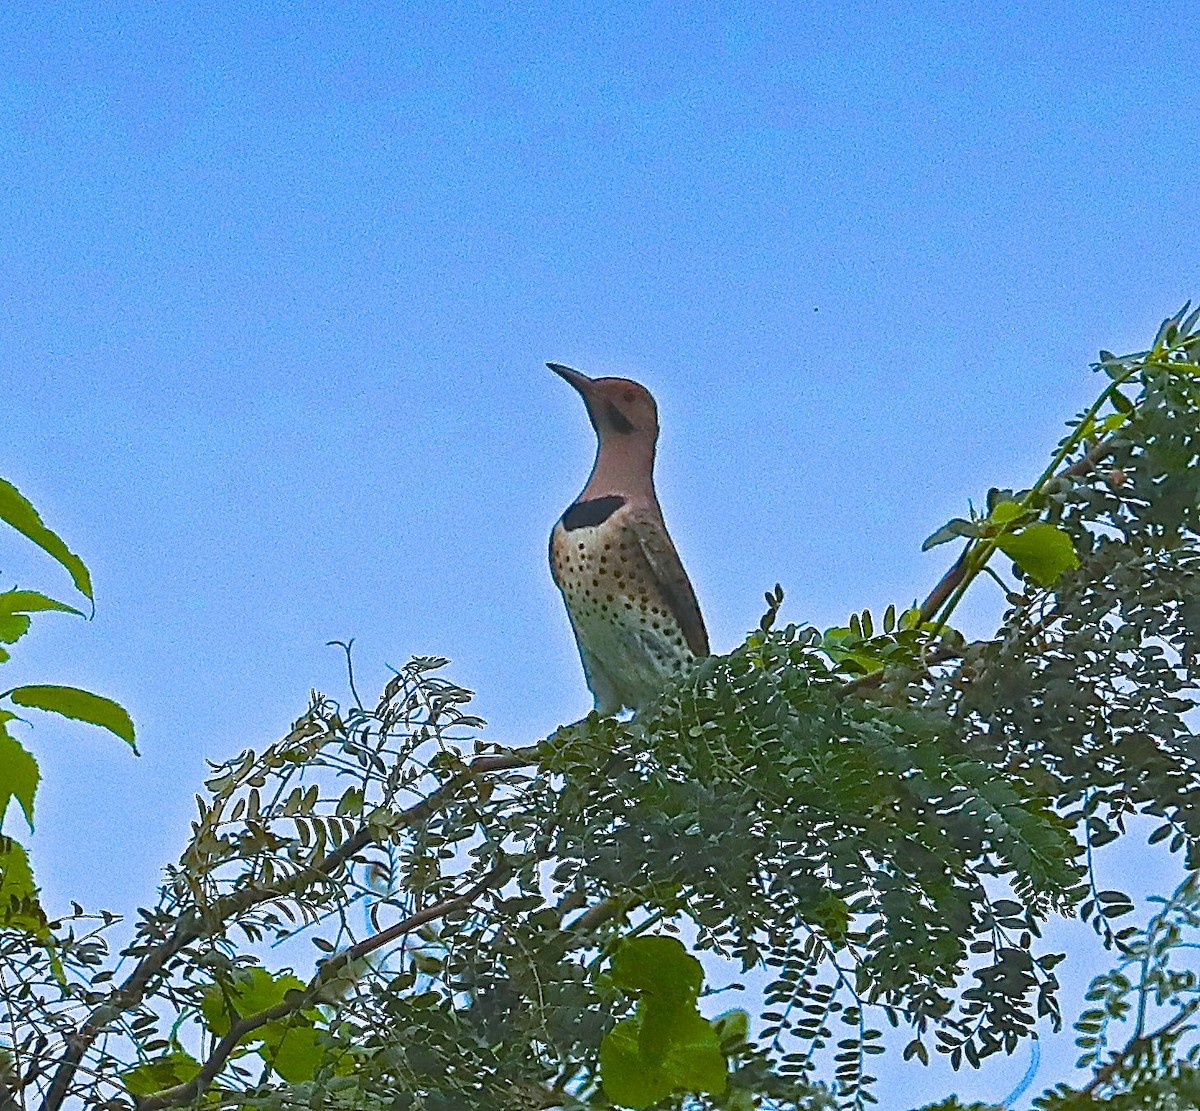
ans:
(676, 588)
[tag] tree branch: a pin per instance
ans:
(957, 572)
(1136, 1045)
(195, 925)
(299, 1000)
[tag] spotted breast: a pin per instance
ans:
(631, 605)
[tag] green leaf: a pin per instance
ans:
(1005, 512)
(832, 915)
(13, 626)
(251, 991)
(732, 1026)
(15, 604)
(669, 1046)
(20, 908)
(19, 773)
(627, 1080)
(658, 967)
(693, 1061)
(951, 530)
(152, 1076)
(1043, 552)
(294, 1051)
(31, 601)
(1121, 403)
(16, 510)
(289, 1045)
(71, 702)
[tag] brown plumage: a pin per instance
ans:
(631, 605)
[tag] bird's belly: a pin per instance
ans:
(638, 655)
(622, 622)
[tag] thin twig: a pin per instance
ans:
(299, 1000)
(193, 926)
(955, 575)
(1136, 1045)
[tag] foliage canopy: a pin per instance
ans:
(879, 819)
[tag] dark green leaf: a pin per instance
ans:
(951, 530)
(152, 1076)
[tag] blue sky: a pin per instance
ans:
(277, 288)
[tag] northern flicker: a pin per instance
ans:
(632, 608)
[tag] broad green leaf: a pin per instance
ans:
(293, 1052)
(1043, 552)
(151, 1076)
(31, 601)
(16, 510)
(19, 773)
(669, 1046)
(253, 990)
(627, 1080)
(13, 626)
(71, 702)
(693, 1061)
(16, 604)
(20, 908)
(1005, 512)
(658, 967)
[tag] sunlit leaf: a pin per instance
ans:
(19, 773)
(1005, 512)
(251, 991)
(79, 705)
(20, 908)
(13, 626)
(16, 510)
(692, 1062)
(1043, 552)
(293, 1052)
(31, 601)
(15, 605)
(657, 966)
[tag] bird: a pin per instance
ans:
(631, 605)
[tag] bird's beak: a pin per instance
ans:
(580, 381)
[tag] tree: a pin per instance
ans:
(878, 819)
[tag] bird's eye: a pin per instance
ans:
(630, 397)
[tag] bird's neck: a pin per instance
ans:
(624, 467)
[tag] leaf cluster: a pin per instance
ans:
(19, 773)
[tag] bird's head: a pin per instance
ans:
(620, 409)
